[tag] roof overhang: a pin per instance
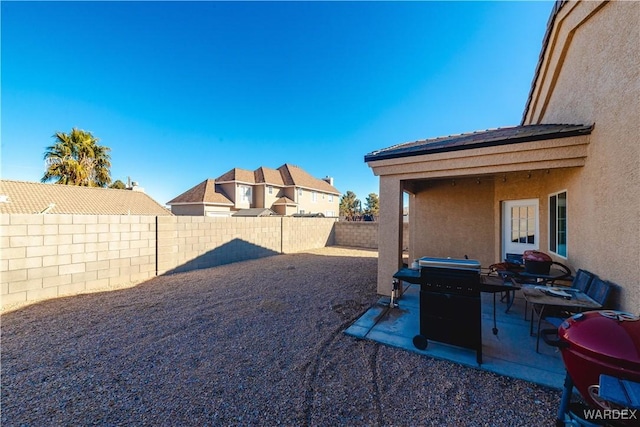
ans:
(564, 152)
(480, 139)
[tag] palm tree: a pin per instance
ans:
(77, 159)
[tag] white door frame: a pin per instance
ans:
(508, 246)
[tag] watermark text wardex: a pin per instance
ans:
(610, 414)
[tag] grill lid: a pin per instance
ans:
(536, 256)
(605, 335)
(453, 263)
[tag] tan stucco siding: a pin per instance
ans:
(389, 232)
(539, 186)
(321, 203)
(599, 82)
(291, 193)
(259, 196)
(229, 189)
(280, 209)
(454, 220)
(270, 199)
(289, 210)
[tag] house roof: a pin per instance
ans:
(21, 197)
(205, 192)
(293, 175)
(268, 176)
(254, 212)
(284, 201)
(486, 138)
(210, 192)
(237, 174)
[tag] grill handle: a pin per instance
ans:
(550, 336)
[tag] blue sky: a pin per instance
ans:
(184, 91)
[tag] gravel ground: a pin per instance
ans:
(252, 343)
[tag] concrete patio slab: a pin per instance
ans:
(511, 352)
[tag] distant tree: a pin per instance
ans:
(349, 205)
(77, 159)
(118, 185)
(372, 204)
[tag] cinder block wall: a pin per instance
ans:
(301, 234)
(363, 234)
(358, 234)
(45, 256)
(192, 242)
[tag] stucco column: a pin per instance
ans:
(389, 232)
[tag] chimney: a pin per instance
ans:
(328, 179)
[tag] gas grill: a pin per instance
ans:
(450, 310)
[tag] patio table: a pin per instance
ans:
(522, 278)
(541, 295)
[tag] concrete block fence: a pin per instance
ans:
(191, 242)
(363, 234)
(46, 256)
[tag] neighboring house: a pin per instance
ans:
(571, 190)
(205, 199)
(20, 197)
(287, 190)
(254, 212)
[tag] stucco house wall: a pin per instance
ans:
(285, 210)
(304, 197)
(453, 223)
(229, 188)
(291, 193)
(469, 210)
(593, 76)
(269, 199)
(259, 197)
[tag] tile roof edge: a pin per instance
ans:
(389, 153)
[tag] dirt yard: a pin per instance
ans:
(252, 343)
